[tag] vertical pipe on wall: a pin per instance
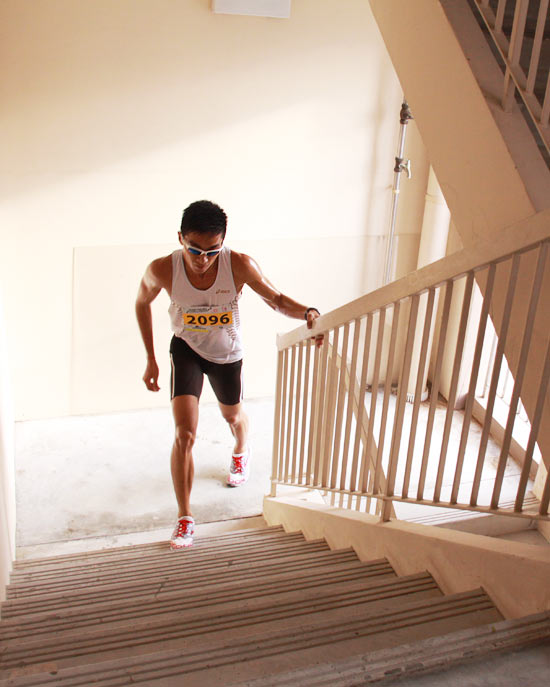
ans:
(400, 165)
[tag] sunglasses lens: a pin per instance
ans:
(208, 253)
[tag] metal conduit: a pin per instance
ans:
(401, 165)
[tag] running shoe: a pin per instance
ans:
(239, 470)
(182, 537)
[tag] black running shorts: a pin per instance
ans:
(189, 368)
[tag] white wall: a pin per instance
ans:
(7, 472)
(116, 115)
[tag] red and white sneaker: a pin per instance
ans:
(182, 537)
(239, 470)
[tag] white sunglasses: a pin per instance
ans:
(198, 251)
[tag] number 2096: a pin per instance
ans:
(212, 320)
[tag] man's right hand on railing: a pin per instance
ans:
(311, 315)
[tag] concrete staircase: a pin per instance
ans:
(255, 607)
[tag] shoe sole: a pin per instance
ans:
(178, 547)
(238, 484)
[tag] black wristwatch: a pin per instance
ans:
(308, 310)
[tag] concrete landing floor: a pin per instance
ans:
(108, 476)
(104, 475)
(524, 667)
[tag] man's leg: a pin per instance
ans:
(237, 420)
(186, 415)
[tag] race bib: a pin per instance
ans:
(204, 319)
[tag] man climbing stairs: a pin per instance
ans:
(250, 607)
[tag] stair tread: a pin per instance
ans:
(164, 557)
(140, 551)
(151, 546)
(289, 607)
(224, 599)
(89, 593)
(427, 654)
(173, 560)
(331, 639)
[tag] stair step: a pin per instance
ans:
(286, 611)
(218, 659)
(140, 551)
(170, 561)
(435, 653)
(228, 590)
(155, 583)
(160, 556)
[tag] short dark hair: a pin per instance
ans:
(204, 217)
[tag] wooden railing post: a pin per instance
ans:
(277, 425)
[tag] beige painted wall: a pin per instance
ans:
(7, 468)
(117, 115)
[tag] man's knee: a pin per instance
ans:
(185, 438)
(232, 415)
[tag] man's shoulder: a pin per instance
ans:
(160, 269)
(244, 267)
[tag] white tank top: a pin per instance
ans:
(207, 320)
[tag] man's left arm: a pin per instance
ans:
(247, 271)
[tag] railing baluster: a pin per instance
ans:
(319, 415)
(350, 401)
(418, 389)
(435, 389)
(518, 31)
(520, 372)
(500, 15)
(275, 474)
(367, 463)
(535, 426)
(313, 419)
(514, 51)
(545, 499)
(473, 381)
(537, 43)
(361, 403)
(291, 383)
(400, 406)
(302, 477)
(387, 390)
(374, 396)
(365, 471)
(283, 415)
(330, 408)
(340, 408)
(369, 489)
(297, 411)
(491, 365)
(459, 350)
(545, 115)
(507, 312)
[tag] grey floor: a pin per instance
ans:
(515, 668)
(91, 476)
(108, 476)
